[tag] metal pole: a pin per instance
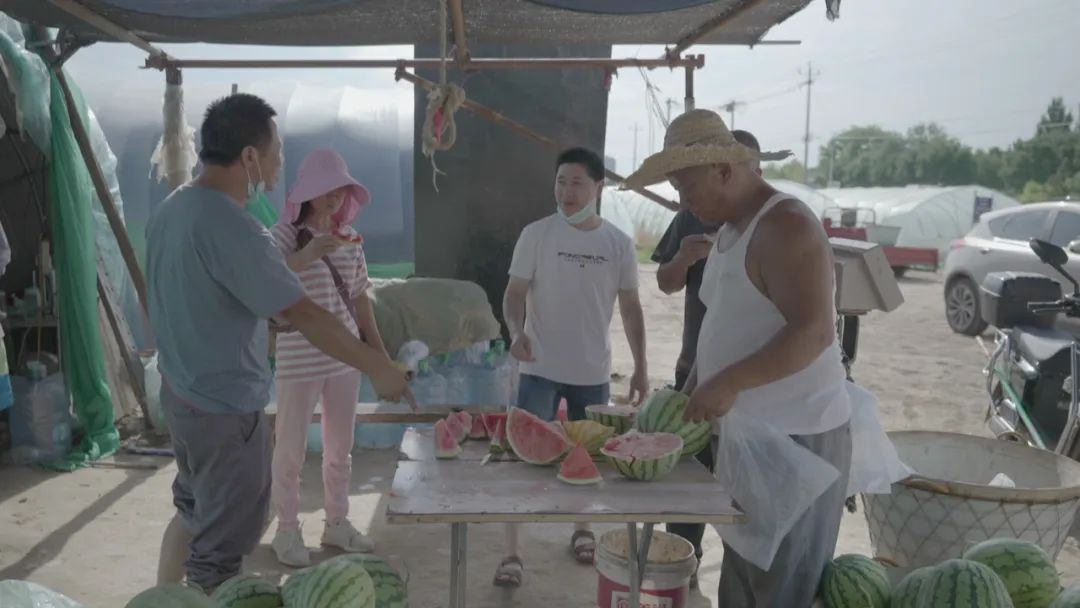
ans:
(696, 61)
(635, 572)
(458, 552)
(689, 105)
(806, 139)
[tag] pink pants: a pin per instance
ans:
(296, 404)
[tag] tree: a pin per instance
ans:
(791, 170)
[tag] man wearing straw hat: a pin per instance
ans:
(681, 255)
(767, 352)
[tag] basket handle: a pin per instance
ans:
(929, 485)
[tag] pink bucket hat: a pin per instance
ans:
(321, 172)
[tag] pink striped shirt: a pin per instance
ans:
(297, 360)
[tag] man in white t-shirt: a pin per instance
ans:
(568, 271)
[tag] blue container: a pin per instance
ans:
(314, 437)
(379, 435)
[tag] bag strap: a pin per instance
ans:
(302, 239)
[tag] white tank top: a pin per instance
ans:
(739, 320)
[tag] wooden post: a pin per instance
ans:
(102, 189)
(689, 102)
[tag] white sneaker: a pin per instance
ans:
(347, 538)
(290, 549)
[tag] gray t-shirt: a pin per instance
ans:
(214, 275)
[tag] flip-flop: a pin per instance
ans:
(583, 553)
(509, 572)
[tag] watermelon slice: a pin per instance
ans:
(498, 438)
(479, 430)
(618, 417)
(347, 237)
(578, 468)
(446, 442)
(534, 440)
(459, 429)
(491, 421)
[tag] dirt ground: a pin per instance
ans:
(94, 534)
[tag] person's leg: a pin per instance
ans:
(582, 541)
(228, 475)
(176, 541)
(339, 398)
(540, 397)
(792, 579)
(296, 404)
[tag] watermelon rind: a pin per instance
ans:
(555, 444)
(336, 583)
(1025, 568)
(642, 469)
(589, 433)
(663, 413)
(962, 582)
(855, 580)
(579, 457)
(1069, 598)
(293, 588)
(171, 595)
(618, 417)
(390, 591)
(906, 593)
(479, 429)
(446, 444)
(247, 591)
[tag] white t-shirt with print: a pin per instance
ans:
(575, 277)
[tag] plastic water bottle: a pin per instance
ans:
(429, 388)
(484, 382)
(457, 385)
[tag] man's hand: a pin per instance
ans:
(521, 348)
(694, 248)
(390, 383)
(711, 400)
(639, 387)
(321, 246)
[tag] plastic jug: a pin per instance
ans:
(429, 388)
(40, 419)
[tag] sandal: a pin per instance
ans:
(583, 551)
(509, 572)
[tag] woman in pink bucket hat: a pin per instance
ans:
(321, 247)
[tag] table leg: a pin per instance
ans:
(632, 561)
(458, 534)
(643, 553)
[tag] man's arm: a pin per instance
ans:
(517, 289)
(366, 312)
(634, 324)
(671, 276)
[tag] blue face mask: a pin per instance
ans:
(585, 214)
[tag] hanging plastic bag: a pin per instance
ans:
(23, 594)
(875, 465)
(772, 479)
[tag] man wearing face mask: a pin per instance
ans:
(567, 272)
(215, 276)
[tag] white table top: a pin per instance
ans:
(460, 490)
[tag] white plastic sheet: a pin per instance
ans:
(875, 465)
(23, 594)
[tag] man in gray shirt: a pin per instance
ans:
(215, 277)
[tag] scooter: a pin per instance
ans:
(1033, 367)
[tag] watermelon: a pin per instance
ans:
(533, 440)
(446, 441)
(247, 591)
(618, 417)
(851, 581)
(335, 583)
(962, 582)
(459, 427)
(906, 593)
(1025, 568)
(491, 422)
(498, 443)
(171, 595)
(1069, 598)
(592, 434)
(663, 413)
(644, 456)
(578, 467)
(294, 587)
(390, 590)
(479, 430)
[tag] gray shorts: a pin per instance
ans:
(792, 580)
(222, 485)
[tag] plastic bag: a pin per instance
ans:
(23, 594)
(152, 382)
(875, 465)
(771, 478)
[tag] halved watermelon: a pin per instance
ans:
(618, 417)
(592, 434)
(644, 456)
(446, 443)
(578, 468)
(498, 438)
(534, 440)
(479, 430)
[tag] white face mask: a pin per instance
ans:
(580, 217)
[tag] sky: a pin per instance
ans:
(983, 69)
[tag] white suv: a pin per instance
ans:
(1000, 242)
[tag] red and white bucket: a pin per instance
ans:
(666, 584)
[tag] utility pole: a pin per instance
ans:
(806, 139)
(637, 128)
(729, 107)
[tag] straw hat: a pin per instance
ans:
(324, 171)
(696, 138)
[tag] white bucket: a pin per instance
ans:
(666, 584)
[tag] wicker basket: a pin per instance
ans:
(949, 507)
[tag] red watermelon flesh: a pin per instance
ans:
(458, 427)
(642, 446)
(446, 443)
(498, 438)
(534, 440)
(491, 422)
(578, 468)
(479, 430)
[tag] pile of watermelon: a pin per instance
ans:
(453, 430)
(997, 573)
(346, 581)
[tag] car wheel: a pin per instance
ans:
(962, 307)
